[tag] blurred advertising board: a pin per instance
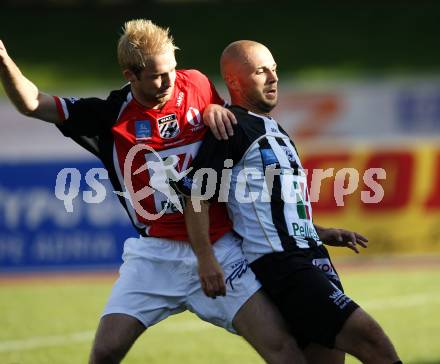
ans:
(399, 210)
(36, 232)
(369, 110)
(348, 128)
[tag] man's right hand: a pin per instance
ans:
(211, 277)
(220, 121)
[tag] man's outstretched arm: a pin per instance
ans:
(23, 93)
(210, 272)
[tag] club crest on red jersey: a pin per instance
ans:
(168, 126)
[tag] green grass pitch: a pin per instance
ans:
(53, 322)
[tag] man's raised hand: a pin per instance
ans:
(220, 121)
(3, 52)
(342, 238)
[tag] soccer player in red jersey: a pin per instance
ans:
(157, 114)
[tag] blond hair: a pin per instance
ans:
(142, 39)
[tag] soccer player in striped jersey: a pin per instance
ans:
(157, 114)
(266, 190)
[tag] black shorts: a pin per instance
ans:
(306, 289)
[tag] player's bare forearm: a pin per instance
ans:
(210, 272)
(197, 225)
(23, 93)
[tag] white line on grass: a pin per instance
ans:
(401, 301)
(45, 341)
(37, 342)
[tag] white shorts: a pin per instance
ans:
(159, 278)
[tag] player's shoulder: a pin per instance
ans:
(120, 95)
(192, 74)
(247, 122)
(244, 118)
(192, 77)
(117, 99)
(239, 111)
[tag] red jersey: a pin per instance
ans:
(111, 128)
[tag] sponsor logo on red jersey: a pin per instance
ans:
(142, 130)
(194, 118)
(180, 98)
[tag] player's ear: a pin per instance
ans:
(129, 75)
(231, 82)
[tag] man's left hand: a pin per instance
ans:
(219, 120)
(343, 238)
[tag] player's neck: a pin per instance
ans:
(252, 108)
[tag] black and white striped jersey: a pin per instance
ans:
(266, 188)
